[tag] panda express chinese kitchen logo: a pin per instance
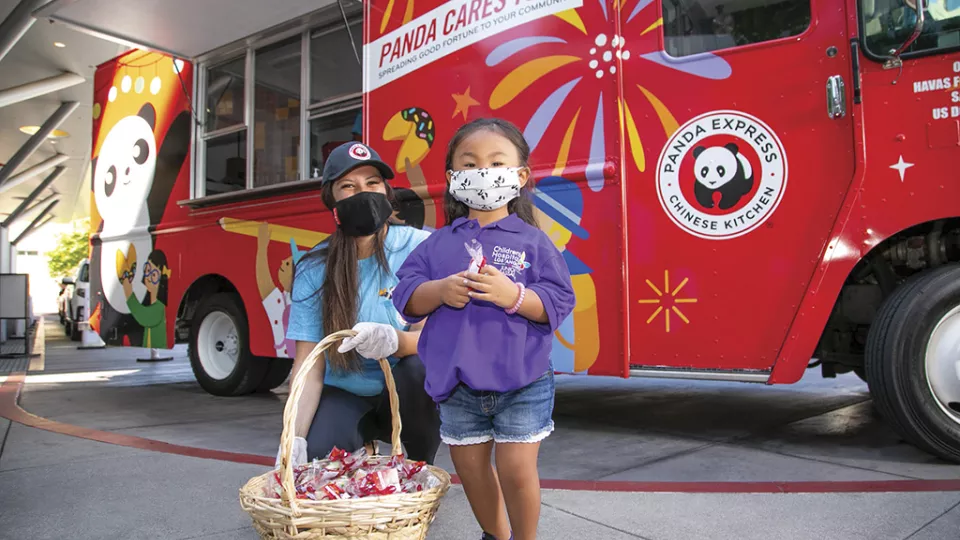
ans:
(721, 175)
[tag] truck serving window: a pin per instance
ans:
(225, 134)
(888, 24)
(275, 109)
(276, 117)
(336, 87)
(698, 26)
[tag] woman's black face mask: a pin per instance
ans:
(362, 214)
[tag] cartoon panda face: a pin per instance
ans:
(715, 166)
(124, 171)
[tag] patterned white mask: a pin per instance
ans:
(485, 189)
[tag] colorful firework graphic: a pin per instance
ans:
(388, 12)
(667, 300)
(633, 52)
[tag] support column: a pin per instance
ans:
(39, 168)
(23, 207)
(33, 224)
(6, 261)
(16, 24)
(37, 139)
(42, 87)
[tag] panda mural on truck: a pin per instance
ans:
(133, 173)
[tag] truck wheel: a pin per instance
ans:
(913, 361)
(219, 348)
(276, 374)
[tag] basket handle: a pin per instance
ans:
(291, 408)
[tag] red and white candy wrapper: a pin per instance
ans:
(477, 260)
(350, 476)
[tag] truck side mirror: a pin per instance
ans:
(894, 59)
(67, 281)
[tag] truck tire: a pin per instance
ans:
(220, 348)
(912, 364)
(276, 374)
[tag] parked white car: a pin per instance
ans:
(77, 304)
(63, 299)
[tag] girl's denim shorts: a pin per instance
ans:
(520, 416)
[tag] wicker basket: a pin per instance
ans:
(401, 516)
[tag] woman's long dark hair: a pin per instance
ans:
(522, 206)
(159, 261)
(340, 292)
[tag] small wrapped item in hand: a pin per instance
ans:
(477, 260)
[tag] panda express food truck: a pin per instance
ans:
(736, 188)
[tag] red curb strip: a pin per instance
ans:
(11, 410)
(851, 486)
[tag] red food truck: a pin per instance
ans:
(737, 186)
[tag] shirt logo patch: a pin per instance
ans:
(510, 261)
(386, 293)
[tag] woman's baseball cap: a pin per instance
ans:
(349, 156)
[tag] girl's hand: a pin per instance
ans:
(492, 286)
(453, 291)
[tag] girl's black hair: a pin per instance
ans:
(522, 206)
(159, 261)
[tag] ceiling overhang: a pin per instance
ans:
(183, 28)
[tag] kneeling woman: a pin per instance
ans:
(345, 282)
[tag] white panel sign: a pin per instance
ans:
(13, 296)
(445, 30)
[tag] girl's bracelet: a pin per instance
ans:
(516, 307)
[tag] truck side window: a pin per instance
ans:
(256, 102)
(887, 24)
(85, 273)
(336, 87)
(697, 26)
(224, 132)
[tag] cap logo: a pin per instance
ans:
(359, 151)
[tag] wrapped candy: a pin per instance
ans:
(477, 260)
(343, 475)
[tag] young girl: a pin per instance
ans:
(486, 343)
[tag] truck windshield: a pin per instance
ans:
(887, 24)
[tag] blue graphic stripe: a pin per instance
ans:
(597, 151)
(540, 120)
(603, 4)
(640, 5)
(512, 47)
(706, 65)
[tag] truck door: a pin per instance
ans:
(730, 209)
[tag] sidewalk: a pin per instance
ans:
(706, 434)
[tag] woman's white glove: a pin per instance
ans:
(373, 340)
(299, 454)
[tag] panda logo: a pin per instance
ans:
(723, 170)
(721, 175)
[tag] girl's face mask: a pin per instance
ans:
(485, 189)
(362, 214)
